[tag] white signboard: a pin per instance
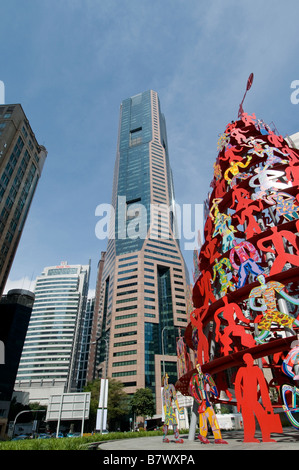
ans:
(68, 406)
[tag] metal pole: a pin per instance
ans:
(59, 417)
(24, 411)
(83, 416)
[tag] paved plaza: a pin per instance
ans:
(289, 440)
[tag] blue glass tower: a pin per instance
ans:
(143, 290)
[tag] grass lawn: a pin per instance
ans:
(72, 443)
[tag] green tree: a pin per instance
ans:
(143, 403)
(117, 402)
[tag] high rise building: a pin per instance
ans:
(21, 164)
(51, 354)
(143, 294)
(15, 312)
(85, 344)
(91, 373)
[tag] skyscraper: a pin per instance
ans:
(144, 278)
(96, 323)
(15, 311)
(21, 164)
(51, 354)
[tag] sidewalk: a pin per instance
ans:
(289, 440)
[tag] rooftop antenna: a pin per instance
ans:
(248, 86)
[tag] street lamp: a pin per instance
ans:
(24, 411)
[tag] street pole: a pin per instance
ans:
(24, 411)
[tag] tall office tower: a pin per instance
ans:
(85, 344)
(96, 323)
(144, 277)
(50, 360)
(21, 164)
(15, 312)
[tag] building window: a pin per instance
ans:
(136, 136)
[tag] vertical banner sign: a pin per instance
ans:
(101, 423)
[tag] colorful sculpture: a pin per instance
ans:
(291, 360)
(228, 315)
(202, 341)
(247, 292)
(267, 293)
(168, 396)
(282, 257)
(235, 171)
(201, 385)
(290, 393)
(225, 229)
(284, 204)
(248, 257)
(267, 179)
(184, 361)
(222, 270)
(248, 380)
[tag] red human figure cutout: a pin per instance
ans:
(230, 312)
(293, 155)
(205, 288)
(246, 215)
(239, 135)
(240, 198)
(248, 119)
(281, 257)
(222, 385)
(231, 153)
(275, 140)
(220, 188)
(209, 249)
(248, 380)
(208, 226)
(230, 126)
(203, 344)
(292, 173)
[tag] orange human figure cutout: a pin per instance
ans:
(229, 313)
(249, 380)
(203, 344)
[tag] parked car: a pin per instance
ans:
(60, 435)
(73, 434)
(20, 437)
(44, 436)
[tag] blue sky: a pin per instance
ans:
(70, 63)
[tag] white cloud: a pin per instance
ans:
(23, 283)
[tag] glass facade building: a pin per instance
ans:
(21, 163)
(52, 353)
(143, 285)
